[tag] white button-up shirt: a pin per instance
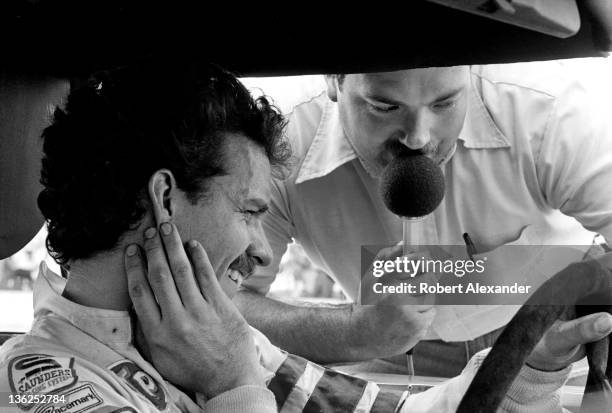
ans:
(533, 148)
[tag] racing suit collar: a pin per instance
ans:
(111, 327)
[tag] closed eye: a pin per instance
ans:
(383, 108)
(448, 104)
(255, 212)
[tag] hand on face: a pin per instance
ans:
(195, 335)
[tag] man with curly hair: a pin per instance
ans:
(151, 143)
(135, 162)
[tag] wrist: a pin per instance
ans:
(241, 399)
(535, 386)
(251, 378)
(358, 345)
(550, 363)
(546, 368)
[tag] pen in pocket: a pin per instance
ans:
(470, 247)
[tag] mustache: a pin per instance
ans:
(245, 265)
(397, 149)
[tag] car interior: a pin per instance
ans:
(50, 46)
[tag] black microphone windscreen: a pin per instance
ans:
(412, 186)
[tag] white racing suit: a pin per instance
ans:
(85, 357)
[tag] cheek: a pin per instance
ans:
(448, 128)
(368, 132)
(222, 240)
(234, 241)
(228, 286)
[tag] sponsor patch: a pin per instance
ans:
(78, 400)
(40, 374)
(113, 409)
(142, 382)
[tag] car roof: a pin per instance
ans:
(71, 39)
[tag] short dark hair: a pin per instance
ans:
(114, 132)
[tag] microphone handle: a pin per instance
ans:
(411, 241)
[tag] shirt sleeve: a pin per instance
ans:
(574, 160)
(244, 399)
(533, 391)
(279, 228)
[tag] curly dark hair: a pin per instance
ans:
(117, 130)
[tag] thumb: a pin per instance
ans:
(570, 334)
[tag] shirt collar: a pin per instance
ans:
(110, 327)
(330, 147)
(479, 129)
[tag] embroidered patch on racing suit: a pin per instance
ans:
(142, 382)
(79, 400)
(40, 374)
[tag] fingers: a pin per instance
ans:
(141, 343)
(389, 252)
(160, 276)
(180, 266)
(570, 334)
(205, 274)
(139, 289)
(421, 321)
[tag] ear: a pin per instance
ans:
(332, 87)
(162, 193)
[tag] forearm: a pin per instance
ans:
(318, 333)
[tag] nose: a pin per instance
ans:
(260, 249)
(415, 133)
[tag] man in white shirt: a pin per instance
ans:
(520, 145)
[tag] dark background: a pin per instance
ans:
(69, 38)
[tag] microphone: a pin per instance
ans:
(412, 187)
